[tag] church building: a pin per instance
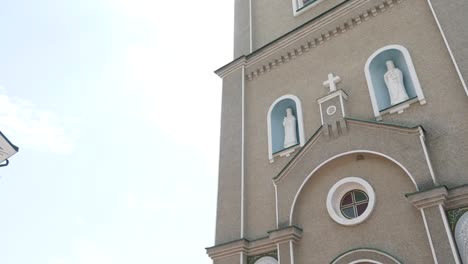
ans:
(344, 134)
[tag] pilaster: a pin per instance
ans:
(431, 204)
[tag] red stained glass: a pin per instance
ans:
(361, 208)
(347, 199)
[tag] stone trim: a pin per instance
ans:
(319, 37)
(286, 41)
(428, 198)
(451, 199)
(370, 253)
(256, 247)
(290, 233)
(309, 144)
(458, 197)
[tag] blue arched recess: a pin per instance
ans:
(378, 68)
(277, 130)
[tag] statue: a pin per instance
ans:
(289, 123)
(394, 81)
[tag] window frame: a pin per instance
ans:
(299, 7)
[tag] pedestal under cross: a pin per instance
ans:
(331, 82)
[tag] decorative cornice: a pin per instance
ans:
(428, 198)
(228, 249)
(231, 67)
(457, 197)
(315, 36)
(290, 233)
(256, 247)
(450, 198)
(331, 95)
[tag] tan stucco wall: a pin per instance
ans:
(451, 15)
(394, 226)
(274, 18)
(410, 24)
(229, 182)
(443, 116)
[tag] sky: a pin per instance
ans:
(116, 111)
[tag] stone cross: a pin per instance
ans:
(331, 82)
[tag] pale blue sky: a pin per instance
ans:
(115, 108)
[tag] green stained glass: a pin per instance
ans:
(360, 196)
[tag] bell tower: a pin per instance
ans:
(367, 170)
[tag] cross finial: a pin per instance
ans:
(331, 82)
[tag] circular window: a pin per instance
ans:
(331, 110)
(350, 201)
(354, 203)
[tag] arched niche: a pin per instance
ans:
(375, 70)
(266, 260)
(365, 256)
(461, 237)
(275, 118)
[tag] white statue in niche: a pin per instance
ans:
(289, 123)
(394, 81)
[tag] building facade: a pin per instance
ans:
(344, 133)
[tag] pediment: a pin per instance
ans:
(360, 135)
(401, 145)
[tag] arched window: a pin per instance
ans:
(392, 81)
(285, 126)
(461, 237)
(266, 260)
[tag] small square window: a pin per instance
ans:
(304, 3)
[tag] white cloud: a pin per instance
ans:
(28, 126)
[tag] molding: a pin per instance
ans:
(315, 27)
(338, 156)
(426, 155)
(256, 247)
(327, 97)
(457, 197)
(359, 251)
(365, 260)
(429, 237)
(429, 198)
(231, 67)
(457, 69)
(319, 37)
(291, 251)
(316, 136)
(284, 235)
(449, 235)
(242, 152)
(228, 249)
(451, 199)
